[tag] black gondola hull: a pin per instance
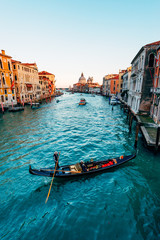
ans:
(65, 174)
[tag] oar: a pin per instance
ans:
(52, 180)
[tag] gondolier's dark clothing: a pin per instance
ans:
(55, 156)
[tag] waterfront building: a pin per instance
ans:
(26, 81)
(114, 82)
(82, 79)
(126, 84)
(142, 78)
(86, 86)
(107, 84)
(120, 83)
(155, 107)
(93, 88)
(50, 77)
(7, 88)
(90, 80)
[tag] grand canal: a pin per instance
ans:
(121, 204)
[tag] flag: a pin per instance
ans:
(12, 85)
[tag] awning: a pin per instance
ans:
(29, 85)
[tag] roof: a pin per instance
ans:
(15, 61)
(45, 73)
(154, 43)
(5, 55)
(29, 64)
(115, 77)
(147, 45)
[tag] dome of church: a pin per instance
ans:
(82, 79)
(90, 80)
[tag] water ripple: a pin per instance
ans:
(121, 204)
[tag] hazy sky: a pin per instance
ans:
(70, 37)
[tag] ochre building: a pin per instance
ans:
(7, 89)
(26, 81)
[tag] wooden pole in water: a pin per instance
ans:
(157, 137)
(128, 113)
(136, 137)
(130, 123)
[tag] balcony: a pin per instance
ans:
(155, 90)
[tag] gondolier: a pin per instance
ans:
(56, 158)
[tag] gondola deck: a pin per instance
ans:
(70, 171)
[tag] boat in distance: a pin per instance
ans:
(82, 168)
(82, 101)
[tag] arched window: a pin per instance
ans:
(2, 98)
(9, 66)
(1, 64)
(151, 60)
(4, 82)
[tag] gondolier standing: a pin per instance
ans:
(56, 158)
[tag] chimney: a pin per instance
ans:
(3, 52)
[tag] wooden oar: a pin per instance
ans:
(52, 180)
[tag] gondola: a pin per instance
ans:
(82, 169)
(15, 109)
(35, 105)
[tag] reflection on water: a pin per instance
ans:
(120, 204)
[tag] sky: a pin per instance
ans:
(66, 38)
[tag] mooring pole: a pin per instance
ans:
(157, 137)
(127, 113)
(136, 137)
(130, 123)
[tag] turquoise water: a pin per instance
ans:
(121, 204)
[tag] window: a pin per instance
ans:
(6, 98)
(4, 82)
(13, 97)
(14, 66)
(1, 64)
(15, 77)
(18, 67)
(151, 60)
(9, 66)
(5, 91)
(12, 91)
(2, 98)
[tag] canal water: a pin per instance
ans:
(121, 204)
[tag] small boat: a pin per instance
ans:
(15, 109)
(113, 101)
(82, 169)
(57, 101)
(82, 101)
(35, 105)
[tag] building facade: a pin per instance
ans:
(114, 83)
(106, 86)
(7, 88)
(26, 81)
(50, 77)
(120, 82)
(142, 78)
(155, 107)
(126, 84)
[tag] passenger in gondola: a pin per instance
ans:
(56, 158)
(84, 168)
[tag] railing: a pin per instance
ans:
(155, 90)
